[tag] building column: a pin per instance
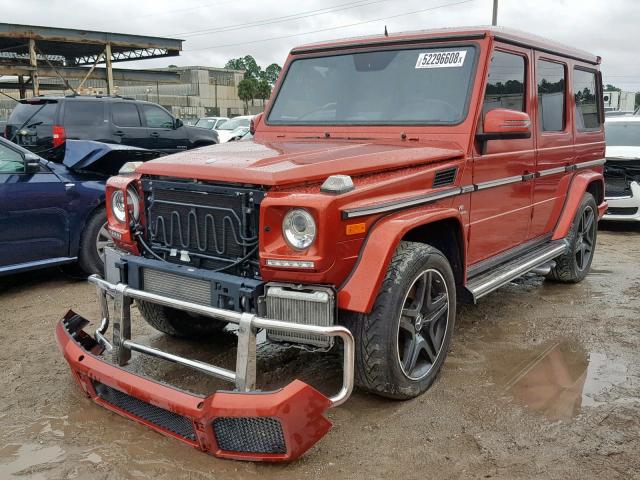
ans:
(107, 56)
(33, 61)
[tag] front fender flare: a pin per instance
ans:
(578, 187)
(360, 290)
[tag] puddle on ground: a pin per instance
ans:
(29, 460)
(560, 379)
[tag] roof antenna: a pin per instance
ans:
(386, 34)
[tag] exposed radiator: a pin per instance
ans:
(308, 307)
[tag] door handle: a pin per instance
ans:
(528, 176)
(119, 133)
(155, 134)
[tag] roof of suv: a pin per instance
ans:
(508, 35)
(79, 97)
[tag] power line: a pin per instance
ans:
(285, 18)
(329, 28)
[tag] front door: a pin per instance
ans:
(33, 212)
(501, 205)
(161, 127)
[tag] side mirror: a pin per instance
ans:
(31, 163)
(254, 122)
(178, 123)
(501, 123)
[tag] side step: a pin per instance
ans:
(487, 282)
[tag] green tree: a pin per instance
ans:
(247, 88)
(235, 64)
(252, 69)
(271, 73)
(611, 88)
(263, 90)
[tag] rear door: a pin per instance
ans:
(501, 205)
(161, 126)
(126, 126)
(554, 141)
(34, 223)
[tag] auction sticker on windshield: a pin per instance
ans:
(441, 59)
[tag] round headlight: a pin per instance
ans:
(118, 205)
(299, 229)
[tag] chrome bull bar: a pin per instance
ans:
(244, 376)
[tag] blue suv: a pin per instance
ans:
(53, 213)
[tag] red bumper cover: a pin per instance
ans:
(272, 426)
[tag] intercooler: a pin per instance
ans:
(308, 307)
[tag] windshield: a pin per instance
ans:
(235, 123)
(206, 123)
(419, 86)
(622, 133)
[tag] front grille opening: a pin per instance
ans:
(160, 417)
(204, 226)
(622, 210)
(249, 434)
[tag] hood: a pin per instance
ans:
(296, 161)
(106, 158)
(622, 152)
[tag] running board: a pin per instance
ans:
(487, 282)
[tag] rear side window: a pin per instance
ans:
(125, 115)
(157, 117)
(505, 85)
(81, 113)
(39, 112)
(585, 91)
(551, 95)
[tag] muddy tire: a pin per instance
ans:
(401, 345)
(92, 243)
(178, 323)
(574, 265)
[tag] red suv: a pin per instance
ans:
(389, 179)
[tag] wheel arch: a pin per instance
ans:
(591, 182)
(436, 227)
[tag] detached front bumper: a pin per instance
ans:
(625, 208)
(243, 424)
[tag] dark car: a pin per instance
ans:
(53, 213)
(42, 124)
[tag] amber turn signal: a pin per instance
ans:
(356, 228)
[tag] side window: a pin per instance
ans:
(10, 160)
(585, 91)
(83, 113)
(505, 85)
(157, 117)
(551, 95)
(125, 114)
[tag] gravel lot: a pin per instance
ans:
(543, 381)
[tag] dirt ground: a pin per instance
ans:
(543, 381)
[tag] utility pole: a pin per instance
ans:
(494, 21)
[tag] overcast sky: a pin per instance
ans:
(216, 30)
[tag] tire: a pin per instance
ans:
(573, 266)
(383, 337)
(95, 238)
(178, 323)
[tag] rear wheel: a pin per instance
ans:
(574, 265)
(178, 323)
(401, 345)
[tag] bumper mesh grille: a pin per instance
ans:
(160, 417)
(622, 210)
(249, 434)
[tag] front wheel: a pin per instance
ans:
(95, 238)
(574, 265)
(401, 345)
